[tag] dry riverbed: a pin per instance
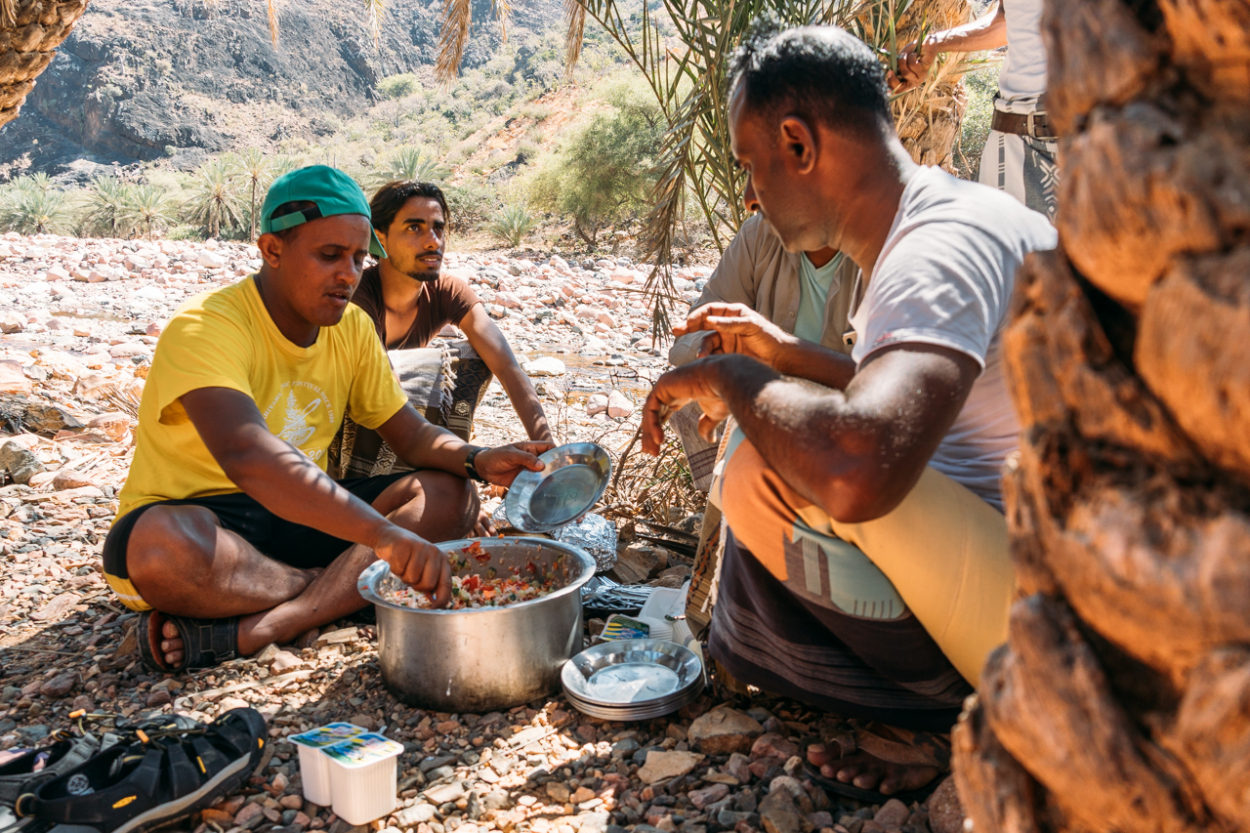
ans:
(80, 319)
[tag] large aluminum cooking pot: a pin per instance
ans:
(485, 659)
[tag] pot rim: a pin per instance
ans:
(378, 570)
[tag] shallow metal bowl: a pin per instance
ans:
(632, 674)
(482, 659)
(572, 481)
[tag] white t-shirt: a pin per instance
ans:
(945, 277)
(1022, 80)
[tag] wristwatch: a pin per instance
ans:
(469, 468)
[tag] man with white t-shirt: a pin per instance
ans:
(1020, 152)
(866, 568)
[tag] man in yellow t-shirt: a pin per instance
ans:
(230, 535)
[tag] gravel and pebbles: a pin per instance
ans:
(80, 319)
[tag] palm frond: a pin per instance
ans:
(272, 13)
(457, 22)
(575, 16)
(503, 10)
(374, 12)
(682, 50)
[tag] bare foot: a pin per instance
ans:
(171, 644)
(869, 772)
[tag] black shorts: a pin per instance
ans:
(291, 543)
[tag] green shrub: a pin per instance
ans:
(535, 111)
(512, 224)
(471, 205)
(603, 175)
(399, 86)
(982, 85)
(185, 232)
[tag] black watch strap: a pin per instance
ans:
(469, 467)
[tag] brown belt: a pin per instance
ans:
(1033, 125)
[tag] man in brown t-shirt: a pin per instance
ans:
(410, 301)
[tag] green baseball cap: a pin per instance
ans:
(333, 191)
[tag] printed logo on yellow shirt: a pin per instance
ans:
(299, 410)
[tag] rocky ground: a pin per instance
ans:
(80, 319)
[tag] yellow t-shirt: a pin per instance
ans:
(226, 339)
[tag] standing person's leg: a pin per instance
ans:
(1041, 175)
(1024, 167)
(1002, 164)
(180, 560)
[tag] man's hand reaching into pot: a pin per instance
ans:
(417, 562)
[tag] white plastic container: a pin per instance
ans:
(364, 776)
(314, 766)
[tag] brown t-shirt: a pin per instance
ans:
(443, 301)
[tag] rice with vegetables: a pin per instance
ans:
(492, 588)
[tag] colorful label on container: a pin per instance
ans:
(324, 736)
(623, 627)
(363, 750)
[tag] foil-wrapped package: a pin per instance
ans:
(596, 535)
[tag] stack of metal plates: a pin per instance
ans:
(633, 679)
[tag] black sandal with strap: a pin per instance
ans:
(206, 643)
(169, 775)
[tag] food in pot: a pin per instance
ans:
(490, 589)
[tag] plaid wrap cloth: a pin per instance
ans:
(444, 383)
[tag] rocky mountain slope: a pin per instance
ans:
(142, 80)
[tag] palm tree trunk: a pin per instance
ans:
(30, 32)
(1120, 700)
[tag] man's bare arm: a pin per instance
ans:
(981, 35)
(855, 453)
(274, 472)
(494, 349)
(282, 479)
(423, 445)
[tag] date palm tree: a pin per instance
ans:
(215, 202)
(106, 200)
(1120, 701)
(407, 164)
(32, 205)
(148, 210)
(257, 170)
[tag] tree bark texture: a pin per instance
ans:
(30, 32)
(1121, 701)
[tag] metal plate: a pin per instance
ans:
(641, 712)
(572, 481)
(632, 674)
